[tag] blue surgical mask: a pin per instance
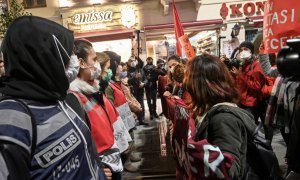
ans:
(123, 74)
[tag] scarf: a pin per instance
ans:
(272, 105)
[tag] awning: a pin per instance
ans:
(256, 18)
(184, 24)
(258, 21)
(153, 31)
(106, 35)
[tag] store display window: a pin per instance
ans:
(34, 3)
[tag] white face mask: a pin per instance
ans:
(133, 64)
(172, 70)
(245, 55)
(97, 72)
(73, 68)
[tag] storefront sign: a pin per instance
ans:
(281, 22)
(101, 18)
(128, 17)
(240, 9)
(92, 17)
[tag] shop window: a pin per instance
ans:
(34, 3)
(250, 34)
(207, 42)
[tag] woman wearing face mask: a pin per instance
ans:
(120, 130)
(114, 92)
(101, 114)
(41, 137)
(250, 80)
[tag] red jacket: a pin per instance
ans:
(250, 83)
(267, 89)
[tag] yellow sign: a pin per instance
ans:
(101, 18)
(92, 17)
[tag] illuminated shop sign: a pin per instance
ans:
(92, 17)
(242, 9)
(112, 17)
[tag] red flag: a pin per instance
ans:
(178, 30)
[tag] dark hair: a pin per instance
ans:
(174, 57)
(209, 82)
(123, 64)
(82, 47)
(160, 61)
(115, 60)
(178, 73)
(149, 58)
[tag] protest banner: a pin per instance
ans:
(186, 45)
(281, 22)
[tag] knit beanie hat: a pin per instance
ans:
(248, 45)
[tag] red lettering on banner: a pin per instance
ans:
(235, 10)
(188, 49)
(250, 6)
(279, 24)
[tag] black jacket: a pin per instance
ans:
(151, 76)
(293, 146)
(223, 128)
(134, 80)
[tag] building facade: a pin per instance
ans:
(248, 15)
(123, 26)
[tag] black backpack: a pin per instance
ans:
(262, 163)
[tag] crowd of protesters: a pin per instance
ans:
(225, 100)
(68, 112)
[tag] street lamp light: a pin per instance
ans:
(235, 30)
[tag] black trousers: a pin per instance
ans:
(140, 98)
(151, 95)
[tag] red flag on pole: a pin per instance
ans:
(178, 30)
(182, 40)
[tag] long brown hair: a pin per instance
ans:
(209, 82)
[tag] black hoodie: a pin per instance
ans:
(33, 63)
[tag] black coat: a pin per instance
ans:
(151, 76)
(225, 130)
(134, 80)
